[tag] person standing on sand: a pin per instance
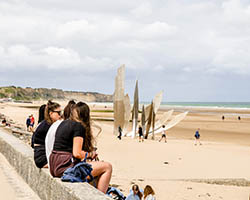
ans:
(140, 134)
(28, 123)
(120, 133)
(197, 136)
(32, 123)
(163, 135)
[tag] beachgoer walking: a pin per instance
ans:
(135, 194)
(197, 136)
(148, 193)
(73, 143)
(52, 114)
(120, 133)
(239, 118)
(32, 123)
(223, 117)
(28, 123)
(140, 134)
(164, 134)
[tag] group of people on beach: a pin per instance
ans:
(30, 122)
(64, 142)
(137, 194)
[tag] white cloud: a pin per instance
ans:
(60, 58)
(186, 37)
(75, 28)
(157, 30)
(143, 10)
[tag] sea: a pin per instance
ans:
(226, 108)
(230, 105)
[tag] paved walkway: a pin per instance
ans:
(12, 186)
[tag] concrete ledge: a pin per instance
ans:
(20, 156)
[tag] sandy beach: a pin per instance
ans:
(170, 167)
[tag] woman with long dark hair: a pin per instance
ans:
(51, 114)
(74, 141)
(50, 137)
(135, 194)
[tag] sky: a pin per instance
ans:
(192, 50)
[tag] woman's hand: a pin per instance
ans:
(93, 155)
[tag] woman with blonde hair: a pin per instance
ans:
(74, 143)
(148, 193)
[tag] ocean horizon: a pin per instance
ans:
(227, 105)
(209, 104)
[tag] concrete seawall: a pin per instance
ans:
(20, 156)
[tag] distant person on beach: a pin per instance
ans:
(135, 194)
(120, 133)
(74, 143)
(140, 134)
(50, 137)
(239, 118)
(52, 114)
(32, 123)
(28, 123)
(148, 193)
(164, 134)
(223, 117)
(5, 123)
(197, 136)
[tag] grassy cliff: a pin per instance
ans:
(30, 94)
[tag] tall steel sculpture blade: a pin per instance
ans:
(157, 103)
(153, 125)
(143, 119)
(126, 114)
(147, 110)
(149, 120)
(118, 102)
(135, 110)
(163, 120)
(177, 119)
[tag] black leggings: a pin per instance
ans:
(40, 156)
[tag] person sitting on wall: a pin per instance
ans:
(74, 143)
(52, 114)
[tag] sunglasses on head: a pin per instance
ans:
(57, 111)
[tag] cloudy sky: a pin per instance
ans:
(193, 50)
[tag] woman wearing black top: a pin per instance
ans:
(52, 113)
(74, 139)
